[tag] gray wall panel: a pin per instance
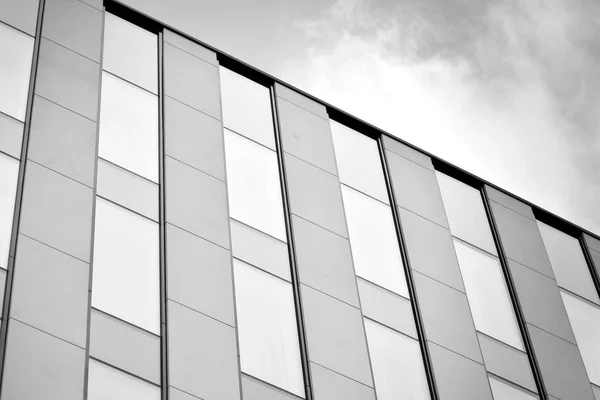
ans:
(458, 378)
(68, 79)
(407, 152)
(430, 249)
(416, 189)
(203, 357)
(176, 394)
(253, 389)
(75, 25)
(57, 211)
(447, 317)
(50, 291)
(190, 47)
(194, 138)
(63, 141)
(196, 202)
(125, 346)
(300, 100)
(561, 366)
(315, 195)
(22, 14)
(592, 242)
(596, 260)
(324, 261)
(192, 81)
(39, 366)
(335, 335)
(199, 275)
(11, 136)
(328, 385)
(509, 202)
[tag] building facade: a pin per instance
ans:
(175, 224)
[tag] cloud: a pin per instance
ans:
(509, 90)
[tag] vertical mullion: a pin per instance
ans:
(20, 186)
(422, 339)
(162, 223)
(535, 368)
(292, 253)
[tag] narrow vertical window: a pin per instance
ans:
(266, 316)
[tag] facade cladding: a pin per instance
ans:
(177, 225)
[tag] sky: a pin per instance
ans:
(506, 89)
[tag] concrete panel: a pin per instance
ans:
(196, 202)
(254, 389)
(315, 195)
(430, 249)
(416, 189)
(192, 81)
(458, 378)
(63, 141)
(190, 47)
(57, 211)
(39, 366)
(176, 394)
(387, 307)
(335, 335)
(199, 275)
(509, 202)
(506, 362)
(324, 261)
(541, 301)
(74, 25)
(407, 152)
(300, 100)
(521, 239)
(561, 365)
(447, 317)
(328, 385)
(202, 355)
(50, 291)
(68, 79)
(11, 136)
(21, 14)
(194, 138)
(306, 136)
(125, 346)
(592, 242)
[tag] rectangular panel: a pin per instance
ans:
(3, 274)
(9, 174)
(50, 291)
(130, 52)
(190, 47)
(253, 389)
(397, 364)
(105, 382)
(509, 202)
(254, 185)
(260, 250)
(416, 189)
(387, 308)
(125, 346)
(267, 330)
(375, 248)
(14, 75)
(125, 274)
(300, 100)
(22, 14)
(127, 189)
(407, 152)
(329, 385)
(247, 108)
(11, 136)
(335, 335)
(129, 127)
(505, 391)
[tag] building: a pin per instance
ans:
(178, 225)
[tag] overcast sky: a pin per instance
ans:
(508, 90)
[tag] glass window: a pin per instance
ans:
(267, 330)
(358, 161)
(9, 174)
(15, 68)
(397, 364)
(504, 391)
(129, 127)
(247, 108)
(130, 52)
(585, 321)
(466, 214)
(254, 186)
(125, 269)
(107, 383)
(490, 303)
(373, 241)
(568, 262)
